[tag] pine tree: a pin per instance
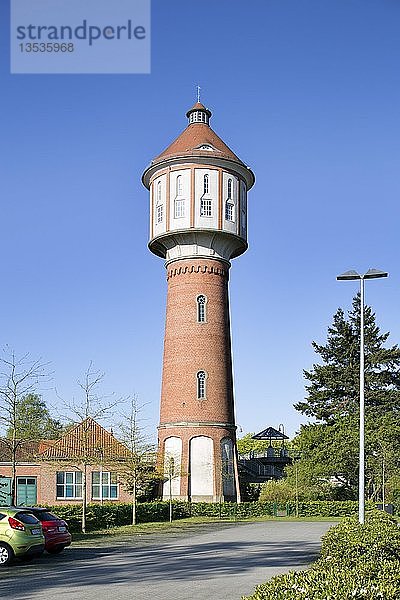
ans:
(333, 389)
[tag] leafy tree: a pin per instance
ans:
(33, 420)
(246, 444)
(333, 389)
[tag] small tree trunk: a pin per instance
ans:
(134, 501)
(84, 499)
(14, 472)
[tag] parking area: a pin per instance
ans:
(213, 563)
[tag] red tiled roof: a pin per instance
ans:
(195, 135)
(27, 451)
(87, 439)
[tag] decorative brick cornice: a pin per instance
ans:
(182, 269)
(203, 424)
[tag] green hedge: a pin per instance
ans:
(113, 514)
(357, 562)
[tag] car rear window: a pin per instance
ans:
(44, 515)
(2, 515)
(26, 517)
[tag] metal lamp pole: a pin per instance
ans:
(351, 276)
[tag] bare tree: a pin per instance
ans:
(18, 378)
(138, 470)
(90, 406)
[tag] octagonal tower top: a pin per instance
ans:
(198, 195)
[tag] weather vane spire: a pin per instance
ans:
(198, 92)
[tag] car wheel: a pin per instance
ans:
(6, 555)
(56, 549)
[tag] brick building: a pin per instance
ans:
(198, 223)
(51, 471)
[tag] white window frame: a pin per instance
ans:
(160, 213)
(179, 185)
(205, 207)
(75, 481)
(229, 186)
(206, 184)
(109, 482)
(229, 211)
(201, 308)
(179, 208)
(201, 385)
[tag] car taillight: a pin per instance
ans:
(14, 524)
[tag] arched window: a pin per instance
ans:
(229, 189)
(159, 204)
(201, 309)
(206, 184)
(179, 187)
(201, 385)
(159, 191)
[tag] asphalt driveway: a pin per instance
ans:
(214, 562)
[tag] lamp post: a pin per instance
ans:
(351, 276)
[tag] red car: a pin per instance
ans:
(55, 530)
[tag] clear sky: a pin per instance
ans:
(306, 92)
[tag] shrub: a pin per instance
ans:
(358, 562)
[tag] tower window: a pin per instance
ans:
(229, 211)
(201, 385)
(206, 184)
(159, 191)
(179, 208)
(229, 189)
(205, 207)
(160, 212)
(201, 309)
(179, 186)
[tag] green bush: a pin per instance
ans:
(357, 562)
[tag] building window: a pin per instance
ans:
(159, 191)
(201, 385)
(69, 484)
(159, 205)
(229, 189)
(206, 184)
(104, 485)
(205, 207)
(179, 208)
(201, 309)
(179, 187)
(229, 211)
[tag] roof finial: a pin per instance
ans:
(198, 93)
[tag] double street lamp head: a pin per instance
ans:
(353, 275)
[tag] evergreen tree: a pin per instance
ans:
(333, 389)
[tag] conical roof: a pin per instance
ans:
(197, 142)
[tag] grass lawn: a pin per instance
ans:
(189, 525)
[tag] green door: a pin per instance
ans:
(26, 491)
(5, 491)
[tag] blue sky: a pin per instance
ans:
(305, 92)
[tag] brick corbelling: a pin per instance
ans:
(200, 267)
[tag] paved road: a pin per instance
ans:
(221, 562)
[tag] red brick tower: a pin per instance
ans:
(198, 222)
